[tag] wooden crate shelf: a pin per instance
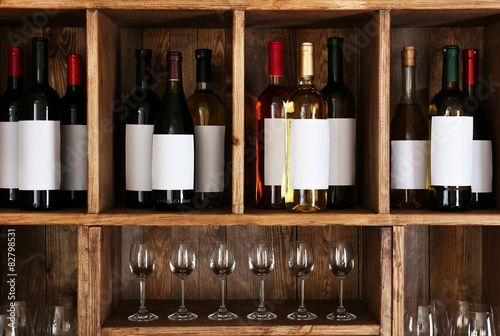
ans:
(117, 323)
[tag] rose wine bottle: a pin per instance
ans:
(40, 137)
(307, 134)
(342, 122)
(208, 115)
(271, 137)
(173, 145)
(9, 130)
(74, 137)
(409, 144)
(451, 141)
(142, 107)
(482, 153)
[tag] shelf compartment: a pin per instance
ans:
(117, 323)
(365, 37)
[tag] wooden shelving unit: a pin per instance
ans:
(399, 254)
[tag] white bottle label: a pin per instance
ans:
(451, 151)
(209, 173)
(39, 155)
(173, 162)
(138, 157)
(309, 154)
(9, 155)
(409, 164)
(274, 151)
(74, 157)
(342, 151)
(482, 166)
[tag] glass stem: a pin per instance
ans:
(182, 294)
(142, 282)
(302, 307)
(341, 306)
(261, 295)
(223, 287)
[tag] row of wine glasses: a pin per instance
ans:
(468, 319)
(46, 321)
(222, 262)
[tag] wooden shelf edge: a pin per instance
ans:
(117, 323)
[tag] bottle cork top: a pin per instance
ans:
(409, 56)
(306, 60)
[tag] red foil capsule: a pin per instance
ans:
(15, 62)
(74, 70)
(470, 57)
(276, 58)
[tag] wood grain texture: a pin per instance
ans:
(130, 282)
(238, 72)
(83, 315)
(365, 324)
(398, 279)
(374, 116)
(417, 265)
(491, 255)
(93, 318)
(102, 48)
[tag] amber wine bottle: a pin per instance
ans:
(482, 153)
(271, 137)
(451, 142)
(208, 115)
(409, 144)
(342, 122)
(307, 135)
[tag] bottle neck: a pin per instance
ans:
(335, 65)
(306, 81)
(174, 86)
(15, 83)
(143, 78)
(275, 80)
(41, 76)
(450, 72)
(40, 65)
(203, 86)
(75, 89)
(408, 96)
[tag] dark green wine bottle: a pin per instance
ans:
(342, 120)
(173, 145)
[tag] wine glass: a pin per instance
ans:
(341, 262)
(222, 263)
(459, 323)
(301, 262)
(41, 320)
(182, 263)
(261, 262)
(21, 325)
(142, 263)
(63, 322)
(481, 321)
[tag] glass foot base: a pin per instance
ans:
(143, 317)
(344, 316)
(262, 316)
(182, 316)
(302, 316)
(222, 316)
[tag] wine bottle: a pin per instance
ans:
(208, 113)
(409, 144)
(271, 137)
(451, 142)
(9, 130)
(40, 137)
(74, 137)
(307, 135)
(342, 121)
(173, 145)
(141, 108)
(482, 153)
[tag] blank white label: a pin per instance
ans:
(451, 151)
(39, 155)
(309, 149)
(274, 151)
(482, 166)
(74, 157)
(409, 164)
(209, 173)
(9, 155)
(173, 162)
(342, 151)
(138, 157)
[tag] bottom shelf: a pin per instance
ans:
(117, 323)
